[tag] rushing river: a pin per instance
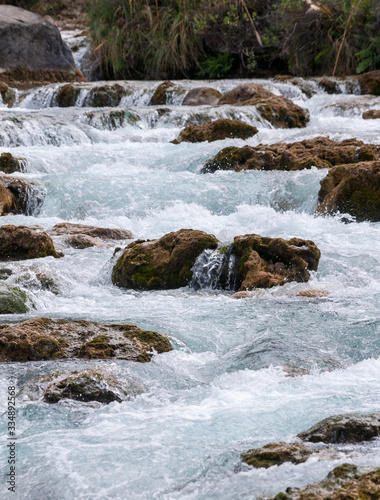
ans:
(223, 389)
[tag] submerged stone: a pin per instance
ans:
(320, 152)
(44, 339)
(352, 189)
(217, 130)
(161, 264)
(353, 428)
(21, 242)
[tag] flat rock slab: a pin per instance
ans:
(31, 42)
(277, 454)
(217, 130)
(21, 242)
(46, 339)
(104, 233)
(352, 189)
(344, 429)
(320, 152)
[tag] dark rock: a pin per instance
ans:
(104, 233)
(216, 131)
(5, 273)
(87, 385)
(372, 114)
(44, 338)
(202, 96)
(21, 242)
(319, 152)
(346, 482)
(12, 300)
(352, 189)
(29, 41)
(245, 92)
(277, 454)
(10, 164)
(352, 428)
(159, 97)
(104, 96)
(20, 197)
(330, 86)
(7, 94)
(263, 262)
(370, 82)
(161, 264)
(67, 95)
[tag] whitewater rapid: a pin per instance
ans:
(223, 389)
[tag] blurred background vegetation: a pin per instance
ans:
(160, 39)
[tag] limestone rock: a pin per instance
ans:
(161, 264)
(12, 300)
(104, 96)
(245, 92)
(67, 95)
(29, 41)
(18, 196)
(320, 152)
(202, 96)
(159, 97)
(7, 94)
(10, 164)
(81, 241)
(277, 454)
(104, 233)
(370, 82)
(44, 339)
(372, 114)
(216, 131)
(352, 189)
(21, 242)
(353, 428)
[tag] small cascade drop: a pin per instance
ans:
(214, 270)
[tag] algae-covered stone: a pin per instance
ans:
(12, 300)
(161, 264)
(159, 97)
(352, 189)
(216, 131)
(44, 339)
(201, 96)
(21, 242)
(89, 385)
(263, 262)
(319, 152)
(277, 454)
(10, 164)
(352, 428)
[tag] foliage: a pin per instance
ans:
(216, 67)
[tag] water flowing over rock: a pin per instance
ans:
(44, 339)
(161, 264)
(216, 131)
(10, 164)
(352, 428)
(352, 189)
(277, 454)
(20, 197)
(8, 95)
(159, 97)
(201, 96)
(30, 43)
(21, 242)
(372, 114)
(320, 152)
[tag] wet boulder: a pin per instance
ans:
(104, 233)
(372, 114)
(217, 130)
(28, 41)
(160, 96)
(18, 196)
(370, 82)
(82, 241)
(89, 385)
(320, 152)
(352, 189)
(201, 96)
(12, 300)
(161, 264)
(351, 428)
(21, 242)
(104, 96)
(277, 454)
(44, 339)
(10, 164)
(67, 95)
(263, 262)
(244, 93)
(8, 95)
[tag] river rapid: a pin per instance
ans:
(225, 387)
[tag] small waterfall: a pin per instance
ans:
(214, 269)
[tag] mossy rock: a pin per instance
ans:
(217, 130)
(67, 95)
(104, 96)
(277, 454)
(161, 264)
(159, 97)
(10, 164)
(13, 300)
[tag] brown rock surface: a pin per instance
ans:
(10, 164)
(44, 339)
(352, 189)
(320, 152)
(161, 264)
(372, 114)
(202, 96)
(245, 92)
(370, 82)
(216, 131)
(159, 97)
(104, 233)
(277, 454)
(27, 197)
(21, 242)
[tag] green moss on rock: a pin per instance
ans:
(13, 300)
